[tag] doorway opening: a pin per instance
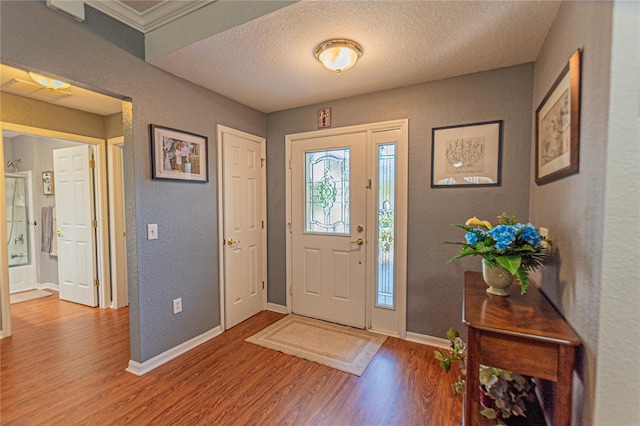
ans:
(99, 117)
(45, 154)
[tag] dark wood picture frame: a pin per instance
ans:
(558, 126)
(178, 155)
(480, 142)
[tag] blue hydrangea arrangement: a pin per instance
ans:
(515, 246)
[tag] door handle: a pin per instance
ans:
(231, 242)
(359, 242)
(58, 233)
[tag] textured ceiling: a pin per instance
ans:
(268, 63)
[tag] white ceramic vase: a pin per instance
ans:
(497, 278)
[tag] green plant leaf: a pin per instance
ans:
(452, 333)
(510, 263)
(523, 279)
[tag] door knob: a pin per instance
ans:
(359, 242)
(231, 241)
(59, 234)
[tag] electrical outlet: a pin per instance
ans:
(177, 305)
(152, 231)
(544, 232)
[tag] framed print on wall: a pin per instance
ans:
(178, 155)
(558, 126)
(466, 155)
(47, 183)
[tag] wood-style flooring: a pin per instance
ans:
(65, 365)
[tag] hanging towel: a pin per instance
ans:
(54, 226)
(47, 230)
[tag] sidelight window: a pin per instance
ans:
(386, 202)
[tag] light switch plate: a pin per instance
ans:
(152, 231)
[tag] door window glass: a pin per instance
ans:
(327, 191)
(386, 225)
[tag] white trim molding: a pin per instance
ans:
(428, 340)
(140, 369)
(150, 19)
(277, 308)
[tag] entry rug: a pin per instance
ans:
(24, 296)
(343, 348)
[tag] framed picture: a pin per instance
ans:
(467, 155)
(178, 155)
(558, 126)
(324, 118)
(47, 183)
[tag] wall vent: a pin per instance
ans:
(20, 87)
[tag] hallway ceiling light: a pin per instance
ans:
(47, 82)
(338, 55)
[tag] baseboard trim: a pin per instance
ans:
(428, 340)
(140, 369)
(50, 286)
(276, 308)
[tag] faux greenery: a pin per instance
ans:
(515, 246)
(504, 393)
(456, 353)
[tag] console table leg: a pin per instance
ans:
(472, 398)
(562, 402)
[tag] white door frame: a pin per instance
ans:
(119, 296)
(221, 252)
(102, 235)
(4, 257)
(401, 215)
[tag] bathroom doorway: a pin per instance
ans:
(78, 121)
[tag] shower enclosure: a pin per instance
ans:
(20, 225)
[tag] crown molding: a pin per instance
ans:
(150, 19)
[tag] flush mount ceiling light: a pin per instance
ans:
(47, 82)
(338, 55)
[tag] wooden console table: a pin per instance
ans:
(520, 333)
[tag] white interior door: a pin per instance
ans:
(328, 253)
(243, 225)
(75, 235)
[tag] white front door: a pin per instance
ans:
(328, 218)
(75, 234)
(243, 225)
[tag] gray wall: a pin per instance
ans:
(619, 293)
(573, 208)
(434, 285)
(183, 261)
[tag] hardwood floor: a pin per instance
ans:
(64, 365)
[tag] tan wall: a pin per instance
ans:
(30, 112)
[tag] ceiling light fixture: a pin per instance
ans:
(47, 82)
(338, 55)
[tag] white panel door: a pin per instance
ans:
(328, 195)
(75, 236)
(243, 232)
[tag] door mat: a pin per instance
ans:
(344, 348)
(24, 296)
